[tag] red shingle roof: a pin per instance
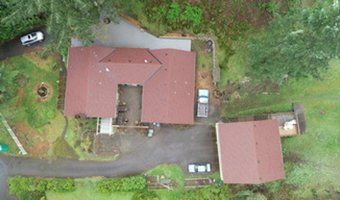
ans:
(250, 152)
(167, 77)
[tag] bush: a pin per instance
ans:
(61, 185)
(128, 184)
(10, 30)
(19, 184)
(145, 195)
(30, 188)
(211, 192)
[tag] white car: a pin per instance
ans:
(32, 38)
(199, 167)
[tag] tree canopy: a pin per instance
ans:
(298, 44)
(64, 18)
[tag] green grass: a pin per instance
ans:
(319, 148)
(170, 171)
(37, 114)
(62, 149)
(85, 191)
(73, 138)
(5, 138)
(233, 68)
(40, 119)
(204, 59)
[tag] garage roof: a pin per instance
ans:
(249, 152)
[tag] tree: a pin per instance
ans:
(173, 15)
(192, 15)
(299, 44)
(11, 30)
(64, 18)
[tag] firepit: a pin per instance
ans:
(43, 91)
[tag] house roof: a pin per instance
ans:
(249, 152)
(167, 77)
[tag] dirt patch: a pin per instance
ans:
(20, 97)
(132, 21)
(294, 158)
(33, 142)
(106, 145)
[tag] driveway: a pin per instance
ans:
(14, 47)
(124, 34)
(180, 145)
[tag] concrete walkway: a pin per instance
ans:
(124, 34)
(181, 145)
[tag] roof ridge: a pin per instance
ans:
(156, 71)
(255, 146)
(101, 60)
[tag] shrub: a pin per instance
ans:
(192, 16)
(128, 184)
(19, 184)
(173, 15)
(61, 185)
(30, 188)
(211, 192)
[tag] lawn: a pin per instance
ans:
(5, 138)
(85, 191)
(35, 120)
(86, 188)
(312, 159)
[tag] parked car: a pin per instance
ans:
(32, 38)
(199, 167)
(203, 103)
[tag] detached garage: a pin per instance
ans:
(249, 152)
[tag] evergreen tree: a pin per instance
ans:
(64, 18)
(299, 44)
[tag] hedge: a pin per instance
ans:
(133, 183)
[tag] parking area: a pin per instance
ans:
(170, 144)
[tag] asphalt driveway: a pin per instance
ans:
(14, 47)
(124, 34)
(180, 145)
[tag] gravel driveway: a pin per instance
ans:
(171, 145)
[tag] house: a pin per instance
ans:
(167, 78)
(249, 152)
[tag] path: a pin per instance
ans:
(12, 134)
(171, 145)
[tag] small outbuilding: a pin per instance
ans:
(249, 152)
